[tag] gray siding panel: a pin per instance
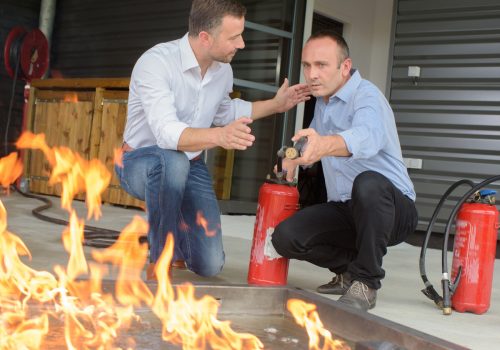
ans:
(450, 117)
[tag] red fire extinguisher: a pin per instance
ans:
(278, 199)
(276, 203)
(474, 251)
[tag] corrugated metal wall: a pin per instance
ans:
(105, 38)
(450, 118)
(13, 13)
(96, 38)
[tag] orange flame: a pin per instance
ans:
(19, 284)
(131, 256)
(201, 221)
(305, 315)
(118, 157)
(10, 169)
(74, 173)
(192, 322)
(71, 97)
(93, 319)
(72, 239)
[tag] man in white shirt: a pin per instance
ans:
(178, 90)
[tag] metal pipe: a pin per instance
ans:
(46, 21)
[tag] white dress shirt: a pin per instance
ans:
(167, 94)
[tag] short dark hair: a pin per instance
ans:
(327, 33)
(206, 15)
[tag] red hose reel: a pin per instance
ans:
(30, 49)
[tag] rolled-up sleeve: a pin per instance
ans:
(366, 136)
(231, 109)
(157, 99)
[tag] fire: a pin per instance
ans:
(118, 157)
(10, 169)
(305, 315)
(74, 173)
(71, 97)
(131, 256)
(31, 301)
(192, 322)
(201, 221)
(19, 284)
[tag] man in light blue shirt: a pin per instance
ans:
(370, 195)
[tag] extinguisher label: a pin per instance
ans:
(269, 251)
(466, 251)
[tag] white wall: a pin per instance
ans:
(367, 30)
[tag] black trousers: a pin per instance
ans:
(350, 236)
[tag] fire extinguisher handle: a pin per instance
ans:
(297, 149)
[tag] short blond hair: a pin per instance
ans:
(207, 15)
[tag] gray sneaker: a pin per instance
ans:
(338, 285)
(360, 296)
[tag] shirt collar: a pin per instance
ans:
(350, 87)
(188, 59)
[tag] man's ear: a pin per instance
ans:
(205, 38)
(346, 67)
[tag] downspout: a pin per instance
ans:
(46, 24)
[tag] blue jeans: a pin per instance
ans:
(178, 193)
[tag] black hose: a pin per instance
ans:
(429, 290)
(96, 237)
(15, 52)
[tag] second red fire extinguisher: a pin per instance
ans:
(474, 251)
(468, 287)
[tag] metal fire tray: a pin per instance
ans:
(262, 312)
(260, 309)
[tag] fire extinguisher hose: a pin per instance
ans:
(429, 290)
(444, 302)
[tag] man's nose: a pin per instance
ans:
(312, 73)
(241, 44)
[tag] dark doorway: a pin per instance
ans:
(311, 183)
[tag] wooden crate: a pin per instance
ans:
(88, 116)
(65, 123)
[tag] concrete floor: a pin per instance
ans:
(399, 300)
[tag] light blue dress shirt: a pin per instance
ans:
(360, 113)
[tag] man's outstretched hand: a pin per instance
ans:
(289, 96)
(236, 135)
